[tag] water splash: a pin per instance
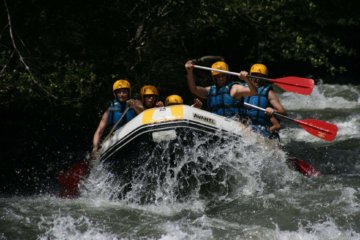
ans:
(212, 170)
(348, 128)
(327, 230)
(101, 184)
(324, 96)
(67, 227)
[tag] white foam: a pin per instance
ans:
(203, 228)
(67, 227)
(323, 96)
(100, 185)
(327, 230)
(347, 128)
(185, 229)
(298, 134)
(348, 200)
(247, 167)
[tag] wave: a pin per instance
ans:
(348, 128)
(324, 96)
(225, 169)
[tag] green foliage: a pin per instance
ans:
(76, 49)
(73, 82)
(59, 59)
(279, 31)
(70, 83)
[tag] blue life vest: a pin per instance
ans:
(220, 101)
(259, 120)
(116, 110)
(259, 117)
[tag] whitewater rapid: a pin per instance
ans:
(249, 192)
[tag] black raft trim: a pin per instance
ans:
(143, 129)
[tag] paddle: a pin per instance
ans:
(320, 129)
(303, 167)
(208, 58)
(116, 124)
(69, 180)
(291, 84)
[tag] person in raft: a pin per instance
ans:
(120, 105)
(150, 97)
(262, 122)
(173, 100)
(177, 100)
(224, 98)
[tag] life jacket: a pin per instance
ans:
(220, 101)
(259, 117)
(260, 122)
(116, 110)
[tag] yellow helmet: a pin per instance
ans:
(219, 65)
(148, 90)
(173, 99)
(121, 84)
(259, 68)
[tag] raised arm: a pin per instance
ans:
(199, 91)
(238, 91)
(252, 88)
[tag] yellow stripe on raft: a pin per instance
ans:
(177, 111)
(154, 115)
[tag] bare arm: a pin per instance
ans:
(100, 130)
(201, 92)
(275, 102)
(136, 105)
(238, 91)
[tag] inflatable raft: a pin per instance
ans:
(161, 137)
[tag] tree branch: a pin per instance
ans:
(21, 58)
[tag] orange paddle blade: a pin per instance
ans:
(69, 180)
(304, 167)
(298, 85)
(321, 129)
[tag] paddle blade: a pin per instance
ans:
(304, 167)
(69, 180)
(320, 129)
(298, 85)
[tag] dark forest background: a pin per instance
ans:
(59, 60)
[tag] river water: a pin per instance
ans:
(255, 195)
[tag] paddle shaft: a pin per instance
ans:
(292, 84)
(238, 74)
(289, 118)
(116, 124)
(217, 70)
(263, 109)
